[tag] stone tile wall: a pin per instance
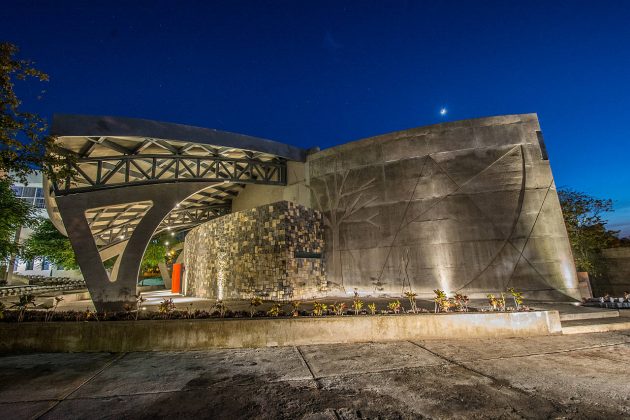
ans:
(273, 251)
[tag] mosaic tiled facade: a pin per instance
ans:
(272, 251)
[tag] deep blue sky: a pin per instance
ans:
(315, 73)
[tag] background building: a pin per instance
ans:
(33, 193)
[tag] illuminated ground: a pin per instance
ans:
(577, 376)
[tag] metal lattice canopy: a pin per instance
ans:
(115, 153)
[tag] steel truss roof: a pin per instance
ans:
(119, 157)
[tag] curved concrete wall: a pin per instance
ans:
(469, 206)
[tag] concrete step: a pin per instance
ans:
(595, 325)
(589, 313)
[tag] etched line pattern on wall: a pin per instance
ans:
(468, 206)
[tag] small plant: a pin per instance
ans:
(412, 301)
(461, 301)
(394, 306)
(447, 304)
(128, 308)
(220, 307)
(441, 301)
(50, 313)
(89, 315)
(166, 307)
(139, 301)
(339, 308)
(274, 310)
(501, 302)
(357, 305)
(372, 308)
(21, 305)
(493, 301)
(319, 308)
(295, 308)
(253, 304)
(518, 298)
(189, 311)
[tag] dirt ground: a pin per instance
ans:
(577, 376)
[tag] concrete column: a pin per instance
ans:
(113, 292)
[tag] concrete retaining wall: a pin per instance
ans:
(264, 332)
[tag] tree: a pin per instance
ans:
(47, 242)
(586, 227)
(24, 145)
(341, 204)
(14, 213)
(24, 148)
(154, 255)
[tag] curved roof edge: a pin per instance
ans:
(93, 125)
(531, 118)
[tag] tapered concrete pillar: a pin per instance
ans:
(112, 292)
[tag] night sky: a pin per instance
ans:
(323, 73)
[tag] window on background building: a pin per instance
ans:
(32, 195)
(17, 190)
(29, 264)
(45, 264)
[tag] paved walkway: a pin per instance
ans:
(577, 376)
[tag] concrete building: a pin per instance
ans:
(468, 206)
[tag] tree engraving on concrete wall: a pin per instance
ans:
(467, 207)
(338, 206)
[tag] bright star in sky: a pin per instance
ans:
(443, 111)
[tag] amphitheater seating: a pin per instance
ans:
(40, 284)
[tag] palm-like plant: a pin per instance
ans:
(517, 296)
(357, 305)
(21, 305)
(338, 308)
(274, 310)
(50, 313)
(493, 301)
(501, 302)
(295, 307)
(139, 300)
(441, 301)
(394, 306)
(221, 307)
(461, 301)
(255, 302)
(319, 308)
(412, 300)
